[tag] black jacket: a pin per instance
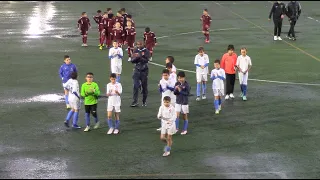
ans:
(277, 10)
(293, 10)
(142, 60)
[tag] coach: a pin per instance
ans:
(278, 11)
(228, 63)
(293, 11)
(140, 58)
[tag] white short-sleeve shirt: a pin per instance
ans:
(243, 62)
(202, 60)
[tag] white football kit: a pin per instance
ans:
(116, 54)
(168, 83)
(73, 87)
(114, 100)
(168, 117)
(243, 62)
(217, 83)
(202, 74)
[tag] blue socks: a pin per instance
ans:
(118, 79)
(75, 118)
(177, 123)
(216, 104)
(185, 125)
(96, 119)
(87, 117)
(168, 148)
(66, 98)
(204, 88)
(110, 124)
(244, 90)
(117, 124)
(241, 87)
(70, 113)
(219, 101)
(198, 89)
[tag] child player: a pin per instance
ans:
(244, 65)
(90, 91)
(115, 55)
(217, 76)
(182, 90)
(114, 90)
(167, 116)
(83, 26)
(74, 100)
(120, 19)
(108, 23)
(118, 34)
(129, 18)
(170, 59)
(150, 41)
(65, 71)
(201, 61)
(206, 21)
(98, 19)
(130, 34)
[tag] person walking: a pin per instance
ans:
(293, 11)
(278, 11)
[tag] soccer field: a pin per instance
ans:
(275, 134)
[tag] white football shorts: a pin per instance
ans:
(183, 109)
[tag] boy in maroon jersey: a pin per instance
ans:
(150, 41)
(118, 34)
(83, 26)
(206, 21)
(130, 38)
(108, 26)
(129, 18)
(109, 10)
(124, 15)
(119, 18)
(98, 19)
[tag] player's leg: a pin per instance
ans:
(279, 30)
(87, 117)
(178, 108)
(275, 30)
(216, 101)
(240, 75)
(227, 86)
(95, 116)
(207, 36)
(84, 37)
(136, 85)
(293, 33)
(169, 143)
(159, 129)
(66, 96)
(75, 105)
(185, 112)
(245, 85)
(232, 81)
(69, 115)
(199, 78)
(144, 84)
(204, 85)
(117, 117)
(109, 121)
(221, 93)
(130, 49)
(119, 70)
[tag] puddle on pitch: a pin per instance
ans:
(55, 98)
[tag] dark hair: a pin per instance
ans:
(74, 75)
(171, 59)
(110, 15)
(169, 65)
(181, 74)
(129, 16)
(83, 13)
(123, 9)
(89, 73)
(206, 10)
(66, 56)
(99, 11)
(109, 9)
(119, 12)
(217, 61)
(165, 71)
(230, 47)
(147, 29)
(167, 98)
(200, 49)
(114, 41)
(113, 75)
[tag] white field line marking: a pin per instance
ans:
(140, 4)
(313, 19)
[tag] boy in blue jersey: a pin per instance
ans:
(65, 72)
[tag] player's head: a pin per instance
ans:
(201, 51)
(123, 10)
(230, 49)
(109, 10)
(110, 15)
(166, 101)
(129, 24)
(129, 17)
(117, 25)
(170, 59)
(243, 51)
(205, 11)
(147, 29)
(99, 11)
(169, 66)
(84, 14)
(115, 44)
(217, 64)
(140, 44)
(74, 75)
(105, 15)
(165, 74)
(89, 77)
(181, 76)
(67, 59)
(119, 13)
(113, 77)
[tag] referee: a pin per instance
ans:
(277, 11)
(293, 10)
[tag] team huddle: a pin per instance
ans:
(174, 88)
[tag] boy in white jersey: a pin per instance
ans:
(115, 55)
(167, 115)
(74, 100)
(217, 76)
(114, 90)
(173, 79)
(170, 59)
(244, 65)
(201, 61)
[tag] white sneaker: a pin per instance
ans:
(87, 129)
(68, 106)
(219, 107)
(217, 111)
(198, 99)
(97, 125)
(82, 45)
(184, 132)
(150, 59)
(204, 97)
(231, 96)
(116, 131)
(275, 38)
(279, 38)
(227, 97)
(110, 131)
(166, 154)
(159, 129)
(85, 45)
(129, 59)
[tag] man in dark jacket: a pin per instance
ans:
(277, 11)
(293, 11)
(140, 58)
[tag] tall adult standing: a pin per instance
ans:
(140, 58)
(277, 12)
(293, 11)
(228, 63)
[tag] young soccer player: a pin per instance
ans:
(114, 90)
(130, 35)
(170, 59)
(150, 40)
(108, 22)
(74, 100)
(98, 19)
(115, 55)
(206, 21)
(120, 19)
(90, 91)
(118, 34)
(173, 80)
(217, 76)
(83, 27)
(167, 116)
(129, 18)
(201, 61)
(244, 65)
(182, 90)
(109, 10)
(65, 72)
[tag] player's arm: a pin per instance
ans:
(123, 35)
(222, 77)
(196, 62)
(83, 91)
(89, 24)
(111, 53)
(119, 89)
(271, 12)
(299, 9)
(79, 23)
(161, 88)
(176, 90)
(223, 74)
(144, 37)
(207, 62)
(173, 117)
(249, 65)
(238, 64)
(120, 55)
(61, 72)
(170, 86)
(159, 116)
(186, 90)
(210, 21)
(74, 90)
(222, 63)
(96, 90)
(212, 76)
(108, 90)
(75, 68)
(96, 19)
(155, 38)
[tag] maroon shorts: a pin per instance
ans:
(131, 43)
(150, 47)
(84, 32)
(205, 28)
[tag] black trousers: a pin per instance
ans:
(137, 78)
(291, 30)
(91, 109)
(230, 80)
(277, 27)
